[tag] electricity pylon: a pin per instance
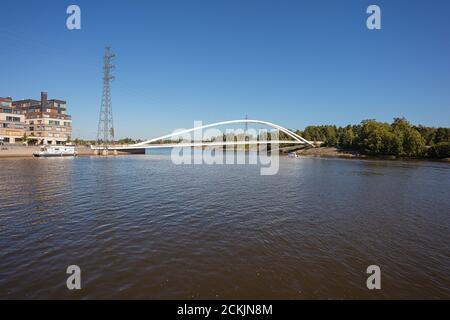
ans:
(105, 133)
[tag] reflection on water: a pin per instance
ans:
(141, 227)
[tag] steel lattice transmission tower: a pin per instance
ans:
(105, 134)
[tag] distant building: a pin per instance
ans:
(12, 122)
(47, 121)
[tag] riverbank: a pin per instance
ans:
(27, 151)
(331, 152)
(322, 152)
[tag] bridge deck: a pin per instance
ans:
(196, 144)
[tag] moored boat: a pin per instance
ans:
(56, 151)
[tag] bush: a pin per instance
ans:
(440, 150)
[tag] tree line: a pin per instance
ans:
(399, 138)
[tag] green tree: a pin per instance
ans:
(412, 143)
(442, 135)
(346, 137)
(313, 133)
(330, 133)
(375, 137)
(427, 133)
(440, 150)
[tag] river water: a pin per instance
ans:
(140, 227)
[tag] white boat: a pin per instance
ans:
(293, 155)
(56, 151)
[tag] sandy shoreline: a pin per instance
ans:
(330, 152)
(26, 152)
(324, 152)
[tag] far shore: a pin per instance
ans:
(15, 151)
(331, 152)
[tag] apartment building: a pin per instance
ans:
(47, 121)
(12, 122)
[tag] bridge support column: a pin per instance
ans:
(257, 145)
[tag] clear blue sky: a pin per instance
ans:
(294, 63)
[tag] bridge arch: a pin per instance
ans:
(296, 137)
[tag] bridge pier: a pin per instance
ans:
(105, 152)
(257, 146)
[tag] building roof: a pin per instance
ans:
(58, 101)
(31, 101)
(38, 102)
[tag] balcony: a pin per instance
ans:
(49, 116)
(10, 111)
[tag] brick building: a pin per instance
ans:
(47, 121)
(12, 122)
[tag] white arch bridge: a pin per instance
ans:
(153, 143)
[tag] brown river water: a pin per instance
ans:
(140, 227)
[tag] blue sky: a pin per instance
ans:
(294, 63)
